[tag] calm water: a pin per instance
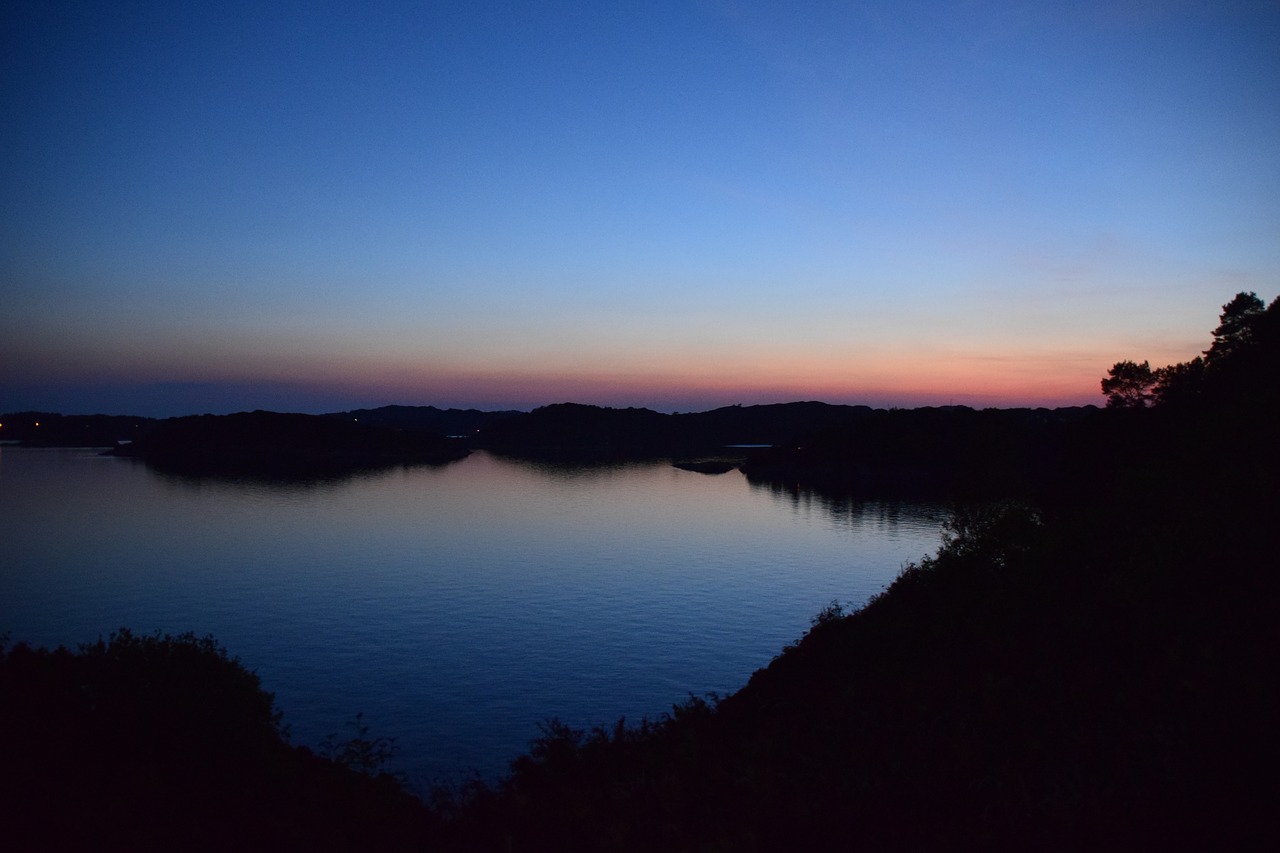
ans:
(455, 607)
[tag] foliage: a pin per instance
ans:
(361, 753)
(1243, 361)
(1179, 384)
(1128, 385)
(996, 532)
(166, 742)
(1236, 332)
(828, 615)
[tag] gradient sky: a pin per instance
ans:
(316, 206)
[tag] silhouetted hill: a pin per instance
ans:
(931, 452)
(275, 445)
(772, 424)
(576, 430)
(449, 422)
(49, 429)
(952, 451)
(855, 450)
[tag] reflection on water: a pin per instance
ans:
(857, 513)
(454, 606)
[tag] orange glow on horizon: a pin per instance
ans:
(685, 393)
(676, 379)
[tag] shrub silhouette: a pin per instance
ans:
(361, 753)
(165, 742)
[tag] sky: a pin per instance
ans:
(317, 206)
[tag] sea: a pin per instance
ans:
(454, 608)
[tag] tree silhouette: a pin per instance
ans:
(1236, 328)
(1242, 364)
(1128, 385)
(1179, 384)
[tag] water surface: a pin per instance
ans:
(454, 606)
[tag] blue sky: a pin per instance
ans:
(316, 206)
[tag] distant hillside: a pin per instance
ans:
(952, 451)
(274, 445)
(767, 424)
(576, 430)
(452, 422)
(852, 449)
(49, 429)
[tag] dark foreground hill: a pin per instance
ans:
(166, 743)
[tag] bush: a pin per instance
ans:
(167, 742)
